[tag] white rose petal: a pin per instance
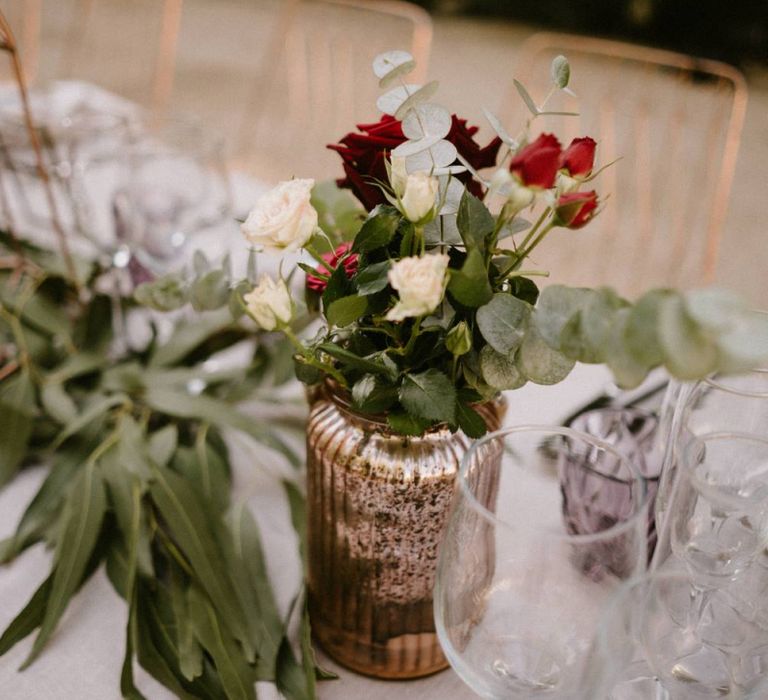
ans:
(420, 196)
(398, 175)
(420, 283)
(269, 303)
(283, 218)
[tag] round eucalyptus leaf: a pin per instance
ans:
(410, 148)
(503, 322)
(500, 371)
(688, 352)
(386, 62)
(439, 155)
(595, 322)
(451, 192)
(715, 309)
(556, 305)
(627, 370)
(391, 101)
(427, 119)
(745, 346)
(414, 99)
(642, 331)
(561, 71)
(539, 362)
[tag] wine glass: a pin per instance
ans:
(518, 596)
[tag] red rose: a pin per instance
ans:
(579, 158)
(317, 284)
(576, 209)
(536, 165)
(364, 155)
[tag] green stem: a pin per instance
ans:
(537, 240)
(318, 258)
(528, 273)
(533, 230)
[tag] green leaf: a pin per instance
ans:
(429, 395)
(349, 358)
(526, 97)
(78, 365)
(188, 336)
(84, 512)
(346, 310)
(162, 444)
(17, 408)
(306, 372)
(470, 286)
(561, 71)
(378, 230)
(184, 513)
(688, 352)
(641, 335)
(500, 371)
(373, 278)
(474, 221)
(29, 619)
(57, 403)
(165, 294)
(585, 336)
(503, 322)
(371, 395)
(539, 362)
(628, 371)
(470, 421)
(556, 306)
(95, 410)
(524, 289)
(339, 285)
(236, 675)
(216, 412)
(211, 291)
(404, 423)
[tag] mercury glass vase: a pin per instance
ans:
(377, 508)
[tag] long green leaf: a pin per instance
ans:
(84, 513)
(29, 619)
(17, 397)
(189, 336)
(96, 409)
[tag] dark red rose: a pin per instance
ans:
(364, 155)
(317, 284)
(576, 209)
(536, 165)
(579, 158)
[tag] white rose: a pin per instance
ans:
(398, 175)
(566, 183)
(519, 198)
(269, 303)
(420, 196)
(420, 283)
(283, 218)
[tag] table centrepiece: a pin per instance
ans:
(428, 313)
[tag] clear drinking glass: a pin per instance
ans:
(518, 597)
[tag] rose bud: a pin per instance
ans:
(579, 158)
(458, 340)
(536, 165)
(317, 284)
(575, 209)
(398, 175)
(269, 303)
(420, 283)
(283, 218)
(420, 196)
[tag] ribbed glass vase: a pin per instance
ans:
(377, 508)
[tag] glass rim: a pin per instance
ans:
(720, 386)
(640, 514)
(696, 441)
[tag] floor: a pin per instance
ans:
(221, 49)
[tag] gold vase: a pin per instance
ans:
(377, 508)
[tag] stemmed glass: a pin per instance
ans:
(518, 596)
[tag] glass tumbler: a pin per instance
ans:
(518, 597)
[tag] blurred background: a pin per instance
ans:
(279, 79)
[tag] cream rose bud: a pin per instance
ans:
(519, 198)
(283, 218)
(420, 283)
(398, 175)
(420, 196)
(269, 303)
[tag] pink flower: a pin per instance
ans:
(317, 284)
(536, 165)
(576, 209)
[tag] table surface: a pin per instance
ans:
(84, 656)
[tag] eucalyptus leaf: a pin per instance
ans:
(427, 120)
(385, 63)
(188, 336)
(628, 370)
(503, 322)
(437, 156)
(688, 352)
(521, 90)
(165, 294)
(57, 403)
(500, 371)
(561, 71)
(17, 408)
(641, 335)
(93, 411)
(209, 292)
(539, 362)
(556, 306)
(162, 444)
(498, 127)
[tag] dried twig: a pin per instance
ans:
(8, 43)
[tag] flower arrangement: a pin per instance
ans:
(431, 307)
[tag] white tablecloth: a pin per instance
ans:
(83, 659)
